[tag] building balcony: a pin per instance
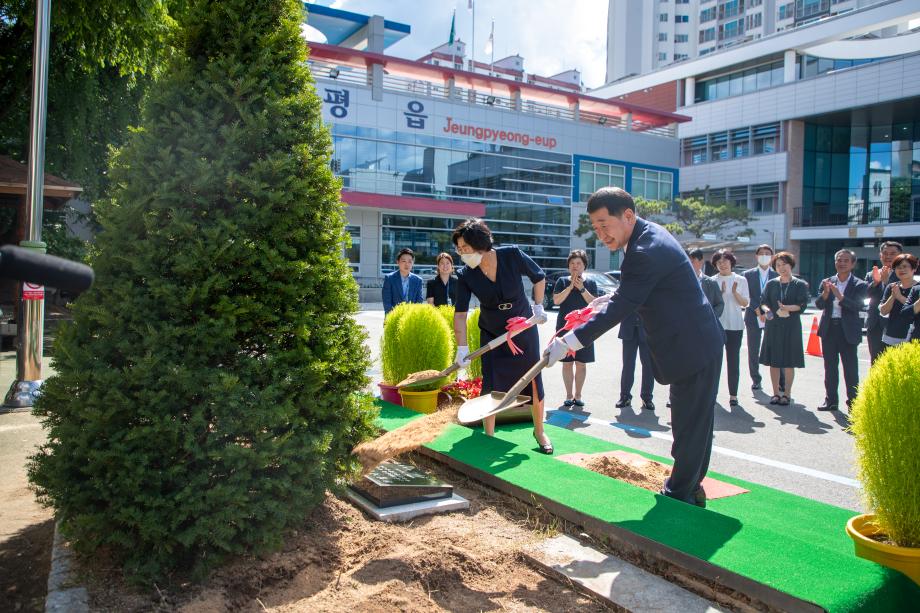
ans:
(875, 214)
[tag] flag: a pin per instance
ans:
(491, 40)
(450, 41)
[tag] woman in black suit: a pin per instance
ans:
(443, 288)
(571, 293)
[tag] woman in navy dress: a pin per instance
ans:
(571, 293)
(493, 275)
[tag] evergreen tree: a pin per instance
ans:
(205, 394)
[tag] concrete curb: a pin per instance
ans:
(63, 595)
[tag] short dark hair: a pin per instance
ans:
(444, 255)
(405, 251)
(905, 257)
(578, 254)
(695, 253)
(723, 253)
(614, 199)
(762, 247)
(894, 244)
(785, 256)
(474, 233)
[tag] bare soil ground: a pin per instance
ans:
(341, 560)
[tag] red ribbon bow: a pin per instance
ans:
(572, 321)
(513, 325)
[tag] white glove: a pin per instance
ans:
(556, 351)
(599, 304)
(539, 313)
(462, 352)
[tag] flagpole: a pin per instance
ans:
(473, 51)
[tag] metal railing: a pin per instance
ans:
(875, 214)
(359, 76)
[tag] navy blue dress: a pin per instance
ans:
(498, 302)
(574, 302)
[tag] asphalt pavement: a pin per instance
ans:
(792, 448)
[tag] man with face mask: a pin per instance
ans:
(684, 336)
(757, 278)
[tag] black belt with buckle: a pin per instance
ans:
(505, 306)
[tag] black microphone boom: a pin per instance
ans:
(27, 265)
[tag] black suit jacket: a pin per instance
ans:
(713, 294)
(874, 292)
(752, 275)
(658, 282)
(631, 328)
(853, 297)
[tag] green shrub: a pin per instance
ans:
(423, 343)
(472, 339)
(389, 344)
(886, 428)
(447, 312)
(205, 394)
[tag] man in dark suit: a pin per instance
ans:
(757, 278)
(710, 286)
(878, 280)
(634, 340)
(684, 336)
(840, 329)
(402, 285)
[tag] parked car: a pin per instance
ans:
(605, 284)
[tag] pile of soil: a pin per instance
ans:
(342, 561)
(647, 475)
(408, 438)
(418, 376)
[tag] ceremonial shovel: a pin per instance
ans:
(496, 342)
(496, 402)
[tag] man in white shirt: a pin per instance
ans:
(841, 299)
(757, 278)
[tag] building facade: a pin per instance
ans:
(816, 130)
(645, 35)
(421, 146)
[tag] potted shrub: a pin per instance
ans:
(886, 431)
(389, 352)
(474, 370)
(424, 342)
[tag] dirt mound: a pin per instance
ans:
(342, 561)
(418, 376)
(647, 475)
(407, 438)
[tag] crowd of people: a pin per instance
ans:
(681, 322)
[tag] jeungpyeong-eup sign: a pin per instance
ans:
(494, 135)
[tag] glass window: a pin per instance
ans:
(352, 253)
(595, 175)
(652, 184)
(740, 145)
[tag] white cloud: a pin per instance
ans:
(551, 36)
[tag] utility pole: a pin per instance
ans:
(30, 328)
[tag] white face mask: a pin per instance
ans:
(764, 260)
(471, 259)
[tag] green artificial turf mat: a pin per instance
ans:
(787, 542)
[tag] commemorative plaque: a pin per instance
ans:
(394, 483)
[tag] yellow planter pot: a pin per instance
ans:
(422, 402)
(904, 559)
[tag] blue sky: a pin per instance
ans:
(551, 35)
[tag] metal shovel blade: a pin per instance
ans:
(476, 409)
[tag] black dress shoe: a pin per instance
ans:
(700, 497)
(756, 387)
(829, 406)
(669, 404)
(624, 401)
(648, 405)
(732, 402)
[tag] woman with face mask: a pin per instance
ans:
(493, 275)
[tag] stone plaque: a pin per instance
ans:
(395, 483)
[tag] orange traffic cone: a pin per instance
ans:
(814, 341)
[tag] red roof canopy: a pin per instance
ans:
(439, 74)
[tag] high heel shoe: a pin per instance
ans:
(546, 447)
